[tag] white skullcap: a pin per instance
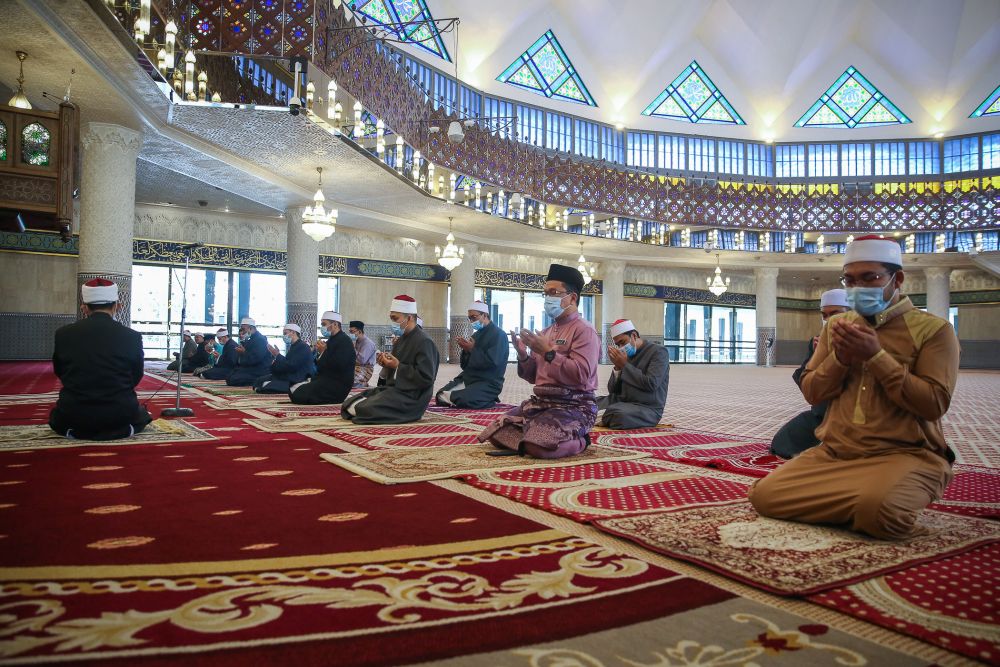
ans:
(187, 332)
(834, 297)
(331, 315)
(293, 327)
(480, 306)
(222, 332)
(248, 321)
(99, 290)
(873, 248)
(620, 327)
(405, 304)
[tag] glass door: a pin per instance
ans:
(721, 351)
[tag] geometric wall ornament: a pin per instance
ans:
(852, 101)
(546, 70)
(694, 98)
(422, 34)
(990, 106)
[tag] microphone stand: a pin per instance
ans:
(177, 410)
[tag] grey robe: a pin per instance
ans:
(482, 370)
(407, 389)
(639, 392)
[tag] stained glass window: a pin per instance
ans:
(852, 101)
(3, 141)
(990, 106)
(693, 97)
(35, 142)
(545, 69)
(422, 31)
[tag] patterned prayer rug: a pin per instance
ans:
(950, 602)
(36, 436)
(710, 450)
(300, 424)
(407, 436)
(974, 491)
(614, 488)
(395, 466)
(790, 558)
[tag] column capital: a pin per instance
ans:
(615, 267)
(293, 214)
(765, 272)
(937, 272)
(109, 135)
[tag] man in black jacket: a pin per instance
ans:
(334, 367)
(254, 360)
(99, 362)
(799, 434)
(227, 360)
(293, 367)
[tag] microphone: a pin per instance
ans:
(191, 246)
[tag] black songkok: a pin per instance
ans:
(357, 324)
(566, 274)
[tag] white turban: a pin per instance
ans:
(620, 327)
(99, 290)
(248, 321)
(873, 248)
(293, 327)
(834, 297)
(332, 316)
(405, 304)
(479, 306)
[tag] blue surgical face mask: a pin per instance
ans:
(628, 349)
(287, 339)
(553, 306)
(397, 329)
(477, 325)
(869, 301)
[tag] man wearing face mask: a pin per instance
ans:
(561, 361)
(638, 384)
(228, 358)
(288, 369)
(334, 367)
(364, 350)
(483, 361)
(254, 360)
(406, 383)
(799, 434)
(888, 371)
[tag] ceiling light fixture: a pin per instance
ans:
(316, 221)
(582, 267)
(452, 255)
(20, 100)
(716, 285)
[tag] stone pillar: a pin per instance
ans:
(612, 301)
(302, 276)
(766, 279)
(463, 292)
(938, 290)
(107, 209)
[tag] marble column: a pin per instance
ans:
(463, 292)
(938, 290)
(766, 279)
(107, 209)
(302, 276)
(612, 301)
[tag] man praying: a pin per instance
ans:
(335, 367)
(293, 367)
(561, 362)
(483, 361)
(888, 371)
(254, 360)
(228, 358)
(364, 351)
(637, 388)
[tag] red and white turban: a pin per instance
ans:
(620, 327)
(873, 248)
(99, 290)
(405, 304)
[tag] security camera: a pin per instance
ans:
(294, 106)
(455, 133)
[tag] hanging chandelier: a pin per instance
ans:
(316, 221)
(20, 100)
(715, 284)
(452, 255)
(582, 268)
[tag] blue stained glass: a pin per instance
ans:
(424, 34)
(692, 97)
(990, 106)
(852, 101)
(546, 70)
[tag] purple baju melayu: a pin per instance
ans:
(555, 421)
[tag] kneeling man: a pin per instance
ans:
(99, 362)
(888, 371)
(638, 382)
(254, 357)
(406, 383)
(562, 364)
(335, 367)
(483, 361)
(293, 367)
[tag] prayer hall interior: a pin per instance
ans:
(385, 332)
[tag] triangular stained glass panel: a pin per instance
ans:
(989, 106)
(693, 97)
(389, 13)
(852, 101)
(545, 69)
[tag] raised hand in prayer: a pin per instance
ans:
(617, 357)
(321, 345)
(465, 344)
(535, 342)
(386, 360)
(853, 343)
(519, 347)
(240, 349)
